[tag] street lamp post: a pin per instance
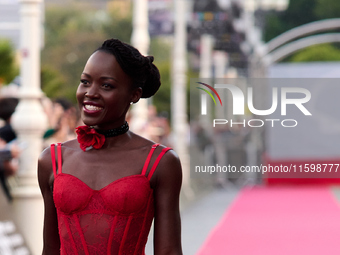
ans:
(178, 93)
(141, 40)
(30, 122)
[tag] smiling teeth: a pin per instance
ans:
(92, 107)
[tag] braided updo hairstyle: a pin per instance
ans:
(140, 69)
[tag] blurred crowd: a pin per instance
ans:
(63, 118)
(9, 150)
(156, 127)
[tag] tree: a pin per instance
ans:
(161, 52)
(323, 52)
(299, 12)
(71, 35)
(327, 9)
(8, 69)
(51, 82)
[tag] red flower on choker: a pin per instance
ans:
(88, 137)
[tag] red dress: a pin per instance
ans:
(113, 220)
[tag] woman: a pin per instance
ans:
(102, 191)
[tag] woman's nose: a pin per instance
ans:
(92, 91)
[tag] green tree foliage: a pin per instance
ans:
(71, 35)
(162, 97)
(327, 9)
(322, 52)
(8, 69)
(51, 82)
(299, 12)
(161, 52)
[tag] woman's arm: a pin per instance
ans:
(50, 232)
(167, 225)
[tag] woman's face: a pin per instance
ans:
(105, 92)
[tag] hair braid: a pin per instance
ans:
(140, 69)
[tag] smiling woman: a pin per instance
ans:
(103, 190)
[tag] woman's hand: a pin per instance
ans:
(167, 225)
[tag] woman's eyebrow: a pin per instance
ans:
(107, 77)
(102, 78)
(87, 75)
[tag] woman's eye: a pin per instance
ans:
(85, 82)
(107, 86)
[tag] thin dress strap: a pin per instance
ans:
(59, 157)
(147, 161)
(157, 161)
(54, 159)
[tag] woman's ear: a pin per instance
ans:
(136, 94)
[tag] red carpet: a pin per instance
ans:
(278, 221)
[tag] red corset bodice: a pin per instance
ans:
(113, 220)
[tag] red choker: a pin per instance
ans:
(89, 138)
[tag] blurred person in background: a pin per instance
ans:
(63, 119)
(157, 127)
(165, 126)
(8, 165)
(7, 108)
(8, 148)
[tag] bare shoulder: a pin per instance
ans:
(45, 170)
(139, 141)
(69, 147)
(169, 169)
(170, 158)
(44, 161)
(45, 155)
(169, 166)
(45, 165)
(71, 143)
